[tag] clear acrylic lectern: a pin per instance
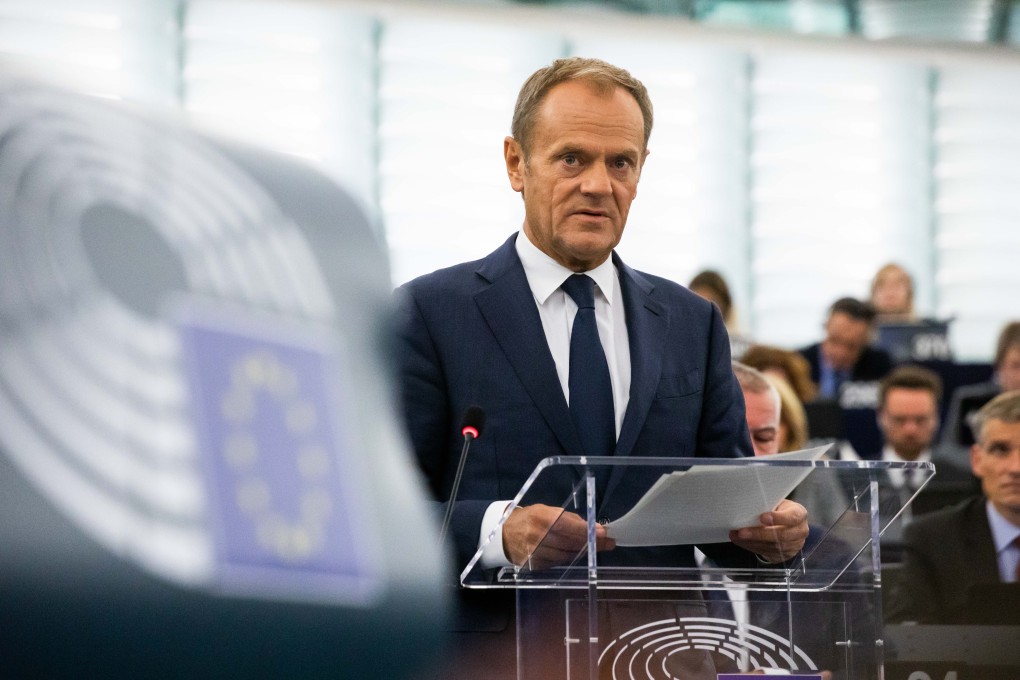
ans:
(649, 611)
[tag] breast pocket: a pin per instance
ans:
(675, 386)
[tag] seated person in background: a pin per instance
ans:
(908, 417)
(845, 354)
(711, 285)
(977, 541)
(892, 295)
(966, 400)
(776, 421)
(761, 409)
(785, 364)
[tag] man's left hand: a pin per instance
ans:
(781, 535)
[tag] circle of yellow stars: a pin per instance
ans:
(291, 539)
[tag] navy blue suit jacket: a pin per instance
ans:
(873, 364)
(471, 334)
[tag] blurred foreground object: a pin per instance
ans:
(201, 473)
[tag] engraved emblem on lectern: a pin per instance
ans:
(647, 651)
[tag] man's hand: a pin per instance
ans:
(781, 535)
(544, 536)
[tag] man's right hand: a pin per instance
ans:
(544, 536)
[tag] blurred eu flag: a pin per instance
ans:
(268, 418)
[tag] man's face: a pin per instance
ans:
(762, 421)
(908, 420)
(581, 173)
(995, 459)
(1009, 370)
(845, 339)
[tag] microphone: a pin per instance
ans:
(471, 426)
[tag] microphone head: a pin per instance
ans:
(473, 422)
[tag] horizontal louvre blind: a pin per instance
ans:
(118, 49)
(841, 184)
(977, 204)
(295, 78)
(446, 97)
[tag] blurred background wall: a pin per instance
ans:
(798, 144)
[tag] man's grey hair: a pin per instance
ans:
(754, 381)
(1005, 407)
(600, 75)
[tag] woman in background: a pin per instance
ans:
(892, 295)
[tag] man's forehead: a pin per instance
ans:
(568, 104)
(1002, 427)
(845, 320)
(764, 399)
(909, 395)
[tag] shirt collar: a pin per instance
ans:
(1004, 532)
(545, 275)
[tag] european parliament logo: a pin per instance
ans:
(278, 466)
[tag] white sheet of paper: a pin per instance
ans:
(703, 504)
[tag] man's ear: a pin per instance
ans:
(975, 459)
(513, 154)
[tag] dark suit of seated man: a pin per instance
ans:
(845, 355)
(949, 552)
(499, 333)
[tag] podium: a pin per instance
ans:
(659, 611)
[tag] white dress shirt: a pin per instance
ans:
(897, 476)
(557, 311)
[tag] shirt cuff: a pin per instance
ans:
(493, 555)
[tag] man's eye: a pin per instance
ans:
(570, 160)
(621, 163)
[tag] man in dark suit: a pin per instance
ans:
(498, 332)
(845, 355)
(948, 552)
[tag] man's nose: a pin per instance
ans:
(596, 180)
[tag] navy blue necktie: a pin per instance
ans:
(591, 390)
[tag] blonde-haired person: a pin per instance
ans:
(793, 427)
(892, 295)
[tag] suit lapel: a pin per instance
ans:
(981, 545)
(509, 310)
(647, 324)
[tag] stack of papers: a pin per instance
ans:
(703, 504)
